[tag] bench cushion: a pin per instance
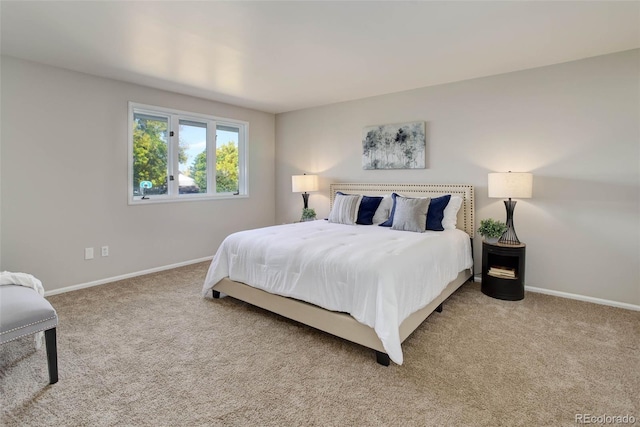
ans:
(23, 312)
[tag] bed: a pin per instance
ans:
(364, 283)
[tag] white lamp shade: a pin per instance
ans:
(303, 183)
(516, 185)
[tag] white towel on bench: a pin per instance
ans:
(24, 279)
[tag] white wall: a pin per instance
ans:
(64, 180)
(574, 125)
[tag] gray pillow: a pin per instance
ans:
(411, 214)
(344, 209)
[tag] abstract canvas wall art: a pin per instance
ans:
(395, 146)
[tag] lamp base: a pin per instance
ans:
(509, 237)
(305, 199)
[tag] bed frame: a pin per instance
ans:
(342, 324)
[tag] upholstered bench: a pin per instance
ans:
(24, 312)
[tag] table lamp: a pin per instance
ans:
(302, 184)
(518, 185)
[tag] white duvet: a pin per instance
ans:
(378, 275)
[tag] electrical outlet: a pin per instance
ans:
(105, 251)
(88, 253)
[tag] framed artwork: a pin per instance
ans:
(396, 146)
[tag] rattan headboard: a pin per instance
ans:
(465, 214)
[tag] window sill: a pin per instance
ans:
(152, 200)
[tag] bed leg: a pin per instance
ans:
(216, 294)
(382, 358)
(439, 308)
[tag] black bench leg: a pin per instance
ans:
(52, 354)
(216, 294)
(382, 358)
(439, 308)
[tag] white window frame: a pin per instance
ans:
(173, 146)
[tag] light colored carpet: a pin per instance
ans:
(152, 351)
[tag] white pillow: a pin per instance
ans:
(384, 210)
(450, 219)
(345, 209)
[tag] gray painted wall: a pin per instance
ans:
(66, 132)
(574, 125)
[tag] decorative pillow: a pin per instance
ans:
(450, 219)
(383, 211)
(344, 209)
(389, 221)
(436, 212)
(367, 209)
(410, 214)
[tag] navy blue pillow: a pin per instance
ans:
(367, 208)
(389, 222)
(436, 212)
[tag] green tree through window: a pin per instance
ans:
(150, 152)
(226, 169)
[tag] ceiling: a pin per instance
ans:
(284, 56)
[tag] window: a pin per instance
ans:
(175, 155)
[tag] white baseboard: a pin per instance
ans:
(478, 279)
(125, 276)
(584, 298)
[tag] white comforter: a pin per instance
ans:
(378, 275)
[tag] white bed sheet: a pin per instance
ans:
(378, 275)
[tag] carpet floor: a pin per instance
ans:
(150, 351)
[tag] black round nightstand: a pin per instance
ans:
(503, 271)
